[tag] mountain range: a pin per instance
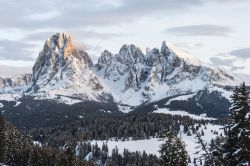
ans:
(132, 81)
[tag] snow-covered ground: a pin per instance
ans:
(182, 113)
(17, 103)
(152, 145)
(9, 97)
(180, 98)
(133, 145)
(124, 109)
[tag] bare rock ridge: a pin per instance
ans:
(63, 72)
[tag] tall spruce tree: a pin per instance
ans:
(236, 149)
(70, 155)
(2, 138)
(173, 152)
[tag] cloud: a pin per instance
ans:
(29, 14)
(7, 71)
(226, 61)
(188, 45)
(32, 20)
(233, 68)
(43, 16)
(222, 61)
(243, 53)
(81, 34)
(94, 35)
(200, 30)
(15, 50)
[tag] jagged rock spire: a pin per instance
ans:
(57, 55)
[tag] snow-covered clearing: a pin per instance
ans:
(182, 113)
(17, 103)
(148, 145)
(9, 97)
(124, 109)
(181, 98)
(152, 145)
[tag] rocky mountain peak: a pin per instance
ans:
(58, 58)
(129, 54)
(165, 49)
(105, 59)
(60, 43)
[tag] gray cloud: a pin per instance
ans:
(31, 16)
(221, 60)
(188, 46)
(47, 14)
(243, 53)
(94, 35)
(233, 68)
(200, 30)
(7, 71)
(15, 50)
(38, 36)
(82, 13)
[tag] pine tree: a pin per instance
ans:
(173, 152)
(194, 161)
(67, 157)
(181, 153)
(17, 147)
(2, 138)
(236, 149)
(104, 153)
(189, 159)
(36, 157)
(214, 152)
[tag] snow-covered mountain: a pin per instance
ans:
(66, 74)
(135, 78)
(62, 70)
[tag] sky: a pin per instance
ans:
(215, 31)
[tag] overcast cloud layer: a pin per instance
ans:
(206, 29)
(201, 30)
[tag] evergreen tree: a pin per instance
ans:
(67, 157)
(2, 138)
(214, 153)
(173, 152)
(236, 149)
(181, 153)
(36, 157)
(16, 148)
(104, 153)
